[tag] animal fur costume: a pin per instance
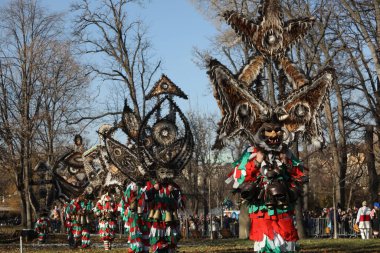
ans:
(268, 176)
(106, 210)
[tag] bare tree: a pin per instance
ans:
(360, 21)
(103, 28)
(65, 99)
(26, 29)
(27, 58)
(205, 168)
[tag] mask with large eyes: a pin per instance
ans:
(164, 174)
(245, 114)
(270, 137)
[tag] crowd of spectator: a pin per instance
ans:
(321, 222)
(200, 227)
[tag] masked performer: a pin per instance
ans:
(268, 175)
(270, 183)
(160, 146)
(78, 221)
(164, 200)
(106, 209)
(134, 213)
(67, 221)
(42, 227)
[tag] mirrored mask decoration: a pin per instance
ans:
(160, 144)
(271, 37)
(165, 138)
(101, 171)
(78, 171)
(244, 114)
(42, 193)
(125, 157)
(69, 173)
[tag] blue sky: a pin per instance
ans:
(175, 28)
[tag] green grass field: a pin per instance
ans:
(221, 246)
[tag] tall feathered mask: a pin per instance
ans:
(244, 113)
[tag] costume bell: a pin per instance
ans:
(133, 210)
(268, 176)
(164, 202)
(269, 186)
(77, 214)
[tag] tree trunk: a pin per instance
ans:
(342, 146)
(244, 222)
(306, 187)
(27, 199)
(299, 204)
(333, 146)
(210, 208)
(196, 191)
(23, 209)
(349, 197)
(373, 181)
(205, 207)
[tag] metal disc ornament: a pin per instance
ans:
(164, 132)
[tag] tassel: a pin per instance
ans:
(106, 245)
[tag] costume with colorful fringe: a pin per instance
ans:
(68, 222)
(133, 210)
(42, 228)
(77, 222)
(164, 204)
(272, 226)
(106, 210)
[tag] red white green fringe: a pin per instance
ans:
(277, 245)
(136, 224)
(107, 245)
(163, 236)
(106, 209)
(41, 227)
(74, 228)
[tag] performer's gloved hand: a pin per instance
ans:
(259, 159)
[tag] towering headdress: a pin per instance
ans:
(161, 143)
(243, 112)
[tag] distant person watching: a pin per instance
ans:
(363, 219)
